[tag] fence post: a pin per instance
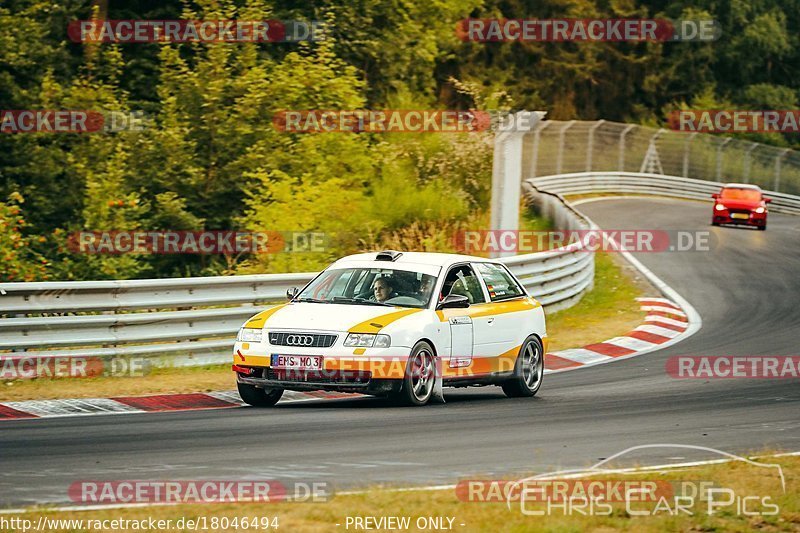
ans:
(590, 146)
(536, 136)
(621, 162)
(748, 162)
(562, 131)
(652, 161)
(719, 157)
(686, 150)
(507, 173)
(778, 168)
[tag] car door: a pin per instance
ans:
(505, 311)
(461, 279)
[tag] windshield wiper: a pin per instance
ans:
(345, 300)
(311, 300)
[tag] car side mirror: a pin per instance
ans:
(453, 301)
(767, 200)
(715, 195)
(291, 292)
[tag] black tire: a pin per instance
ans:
(528, 370)
(420, 376)
(715, 223)
(763, 228)
(256, 397)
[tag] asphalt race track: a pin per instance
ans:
(746, 289)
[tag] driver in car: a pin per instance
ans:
(382, 290)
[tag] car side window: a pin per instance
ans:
(499, 282)
(462, 280)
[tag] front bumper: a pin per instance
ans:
(366, 370)
(753, 219)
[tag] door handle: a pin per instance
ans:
(491, 320)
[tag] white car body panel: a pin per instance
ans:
(474, 339)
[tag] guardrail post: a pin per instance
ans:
(651, 162)
(507, 172)
(778, 169)
(535, 155)
(560, 158)
(621, 162)
(590, 146)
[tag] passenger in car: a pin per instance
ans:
(425, 288)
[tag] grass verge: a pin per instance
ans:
(610, 309)
(760, 485)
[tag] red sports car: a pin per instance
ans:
(738, 203)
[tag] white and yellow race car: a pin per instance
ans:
(396, 324)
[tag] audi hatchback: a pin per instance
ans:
(740, 204)
(396, 324)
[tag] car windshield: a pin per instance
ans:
(750, 195)
(370, 286)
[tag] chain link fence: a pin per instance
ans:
(562, 147)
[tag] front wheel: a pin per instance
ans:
(256, 397)
(528, 370)
(420, 376)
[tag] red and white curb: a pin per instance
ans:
(665, 323)
(143, 404)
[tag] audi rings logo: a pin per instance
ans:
(299, 340)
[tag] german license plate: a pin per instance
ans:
(743, 216)
(297, 362)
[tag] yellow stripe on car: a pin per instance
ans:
(259, 320)
(489, 309)
(374, 325)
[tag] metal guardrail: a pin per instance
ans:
(650, 184)
(194, 320)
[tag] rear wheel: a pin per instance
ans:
(528, 370)
(259, 397)
(764, 227)
(420, 376)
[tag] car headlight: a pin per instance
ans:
(719, 207)
(250, 335)
(760, 210)
(368, 340)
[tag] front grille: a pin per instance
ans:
(334, 377)
(302, 340)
